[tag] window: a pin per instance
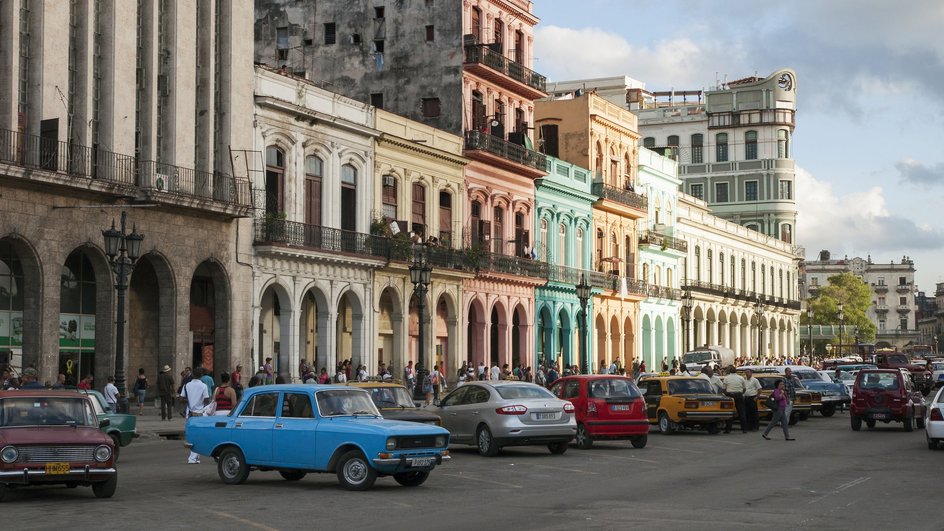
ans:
(902, 281)
(389, 197)
(261, 405)
(478, 111)
(561, 257)
(548, 140)
(698, 263)
(698, 156)
(786, 189)
(330, 33)
(902, 301)
(313, 182)
(780, 279)
(721, 192)
(519, 47)
(379, 12)
(754, 276)
(649, 142)
(750, 145)
(498, 36)
(431, 107)
(721, 147)
(750, 191)
(711, 267)
(445, 218)
(697, 190)
(743, 274)
(348, 197)
(498, 215)
(281, 43)
(786, 233)
(520, 125)
(733, 280)
(522, 236)
(298, 406)
(783, 147)
(477, 24)
(903, 324)
(355, 38)
(881, 324)
(430, 33)
(275, 178)
(572, 389)
(379, 46)
(418, 217)
(578, 249)
(377, 99)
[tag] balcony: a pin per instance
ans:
(498, 151)
(507, 264)
(880, 288)
(657, 239)
(620, 195)
(881, 308)
(72, 165)
(904, 288)
(318, 238)
(662, 292)
(490, 64)
(740, 294)
(903, 308)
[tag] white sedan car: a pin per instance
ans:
(934, 426)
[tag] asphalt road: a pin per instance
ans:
(829, 478)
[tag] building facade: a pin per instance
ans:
(100, 113)
(742, 284)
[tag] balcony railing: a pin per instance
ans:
(879, 288)
(32, 151)
(903, 288)
(482, 54)
(316, 237)
(740, 294)
(477, 140)
(661, 240)
(511, 265)
(663, 292)
(881, 308)
(620, 195)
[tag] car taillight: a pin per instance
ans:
(568, 408)
(691, 404)
(936, 414)
(591, 408)
(512, 410)
(727, 405)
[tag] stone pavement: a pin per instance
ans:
(150, 425)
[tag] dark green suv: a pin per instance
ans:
(121, 428)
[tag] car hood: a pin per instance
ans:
(391, 427)
(409, 415)
(702, 397)
(53, 435)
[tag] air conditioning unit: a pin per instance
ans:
(388, 180)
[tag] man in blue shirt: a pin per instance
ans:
(207, 380)
(31, 379)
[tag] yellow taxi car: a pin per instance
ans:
(801, 407)
(394, 402)
(684, 402)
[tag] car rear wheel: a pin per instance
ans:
(932, 444)
(794, 418)
(411, 479)
(665, 425)
(909, 424)
(292, 475)
(115, 439)
(3, 491)
(354, 472)
(828, 410)
(639, 441)
(713, 428)
(106, 489)
(805, 415)
(583, 440)
(558, 448)
(870, 423)
(486, 443)
(232, 467)
(856, 423)
(920, 422)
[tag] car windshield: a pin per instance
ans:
(613, 388)
(390, 397)
(880, 380)
(690, 387)
(96, 403)
(345, 402)
(768, 383)
(696, 357)
(46, 411)
(938, 366)
(513, 392)
(807, 375)
(899, 359)
(940, 398)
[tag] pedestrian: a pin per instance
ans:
(733, 385)
(224, 396)
(341, 376)
(236, 380)
(790, 385)
(428, 388)
(165, 390)
(778, 415)
(642, 366)
(197, 397)
(552, 375)
(269, 375)
(60, 382)
(140, 389)
(495, 373)
(31, 380)
(603, 368)
(482, 370)
(751, 388)
(665, 364)
(635, 368)
(207, 379)
(323, 377)
(437, 379)
(111, 393)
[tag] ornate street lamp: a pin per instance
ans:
(759, 312)
(123, 251)
(686, 309)
(809, 326)
(840, 329)
(420, 276)
(583, 293)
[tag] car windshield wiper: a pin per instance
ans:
(362, 412)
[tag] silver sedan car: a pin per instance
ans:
(491, 415)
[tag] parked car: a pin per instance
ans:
(606, 407)
(493, 414)
(685, 402)
(934, 425)
(886, 395)
(846, 379)
(801, 406)
(122, 428)
(937, 373)
(394, 402)
(297, 429)
(54, 437)
(833, 396)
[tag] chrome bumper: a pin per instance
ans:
(79, 474)
(403, 460)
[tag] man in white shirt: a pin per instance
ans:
(111, 395)
(197, 397)
(734, 387)
(481, 371)
(496, 373)
(751, 388)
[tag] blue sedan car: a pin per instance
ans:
(297, 429)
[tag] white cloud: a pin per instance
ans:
(915, 172)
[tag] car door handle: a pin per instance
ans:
(453, 414)
(239, 424)
(279, 425)
(475, 412)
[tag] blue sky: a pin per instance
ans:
(870, 78)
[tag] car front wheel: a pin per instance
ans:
(639, 441)
(411, 479)
(932, 444)
(584, 441)
(856, 423)
(486, 443)
(232, 467)
(106, 489)
(665, 425)
(354, 472)
(117, 441)
(828, 410)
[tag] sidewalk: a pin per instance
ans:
(150, 425)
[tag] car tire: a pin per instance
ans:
(292, 475)
(932, 444)
(713, 428)
(805, 415)
(908, 424)
(485, 442)
(231, 466)
(106, 489)
(354, 472)
(3, 491)
(639, 441)
(558, 448)
(856, 423)
(411, 479)
(583, 440)
(828, 410)
(117, 441)
(870, 423)
(919, 422)
(794, 418)
(665, 425)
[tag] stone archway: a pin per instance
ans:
(647, 339)
(21, 280)
(350, 330)
(519, 337)
(210, 318)
(314, 330)
(476, 332)
(274, 328)
(390, 331)
(86, 316)
(446, 326)
(152, 318)
(544, 347)
(497, 330)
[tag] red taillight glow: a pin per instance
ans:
(591, 408)
(727, 405)
(936, 414)
(691, 404)
(568, 408)
(512, 410)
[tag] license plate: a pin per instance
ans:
(709, 403)
(545, 416)
(620, 407)
(422, 461)
(879, 416)
(57, 468)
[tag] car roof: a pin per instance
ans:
(670, 377)
(295, 387)
(594, 376)
(501, 383)
(373, 385)
(45, 393)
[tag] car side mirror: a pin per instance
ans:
(643, 391)
(104, 423)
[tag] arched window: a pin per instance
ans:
(721, 147)
(545, 244)
(698, 144)
(614, 251)
(600, 243)
(314, 171)
(389, 197)
(598, 165)
(649, 142)
(750, 145)
(771, 280)
(274, 181)
(786, 233)
(783, 144)
(614, 170)
(780, 279)
(657, 276)
(578, 249)
(348, 197)
(498, 231)
(480, 229)
(627, 172)
(561, 257)
(669, 280)
(418, 210)
(476, 29)
(645, 273)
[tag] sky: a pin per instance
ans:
(870, 99)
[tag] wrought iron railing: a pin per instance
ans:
(482, 54)
(661, 240)
(620, 195)
(511, 265)
(316, 237)
(740, 294)
(477, 140)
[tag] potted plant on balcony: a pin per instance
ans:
(274, 226)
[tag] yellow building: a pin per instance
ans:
(591, 132)
(420, 197)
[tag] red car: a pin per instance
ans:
(885, 395)
(606, 407)
(54, 437)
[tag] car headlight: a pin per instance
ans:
(391, 443)
(441, 441)
(102, 453)
(9, 454)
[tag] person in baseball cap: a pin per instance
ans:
(31, 379)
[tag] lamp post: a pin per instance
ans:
(841, 317)
(583, 293)
(420, 276)
(759, 312)
(935, 344)
(686, 309)
(809, 327)
(123, 251)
